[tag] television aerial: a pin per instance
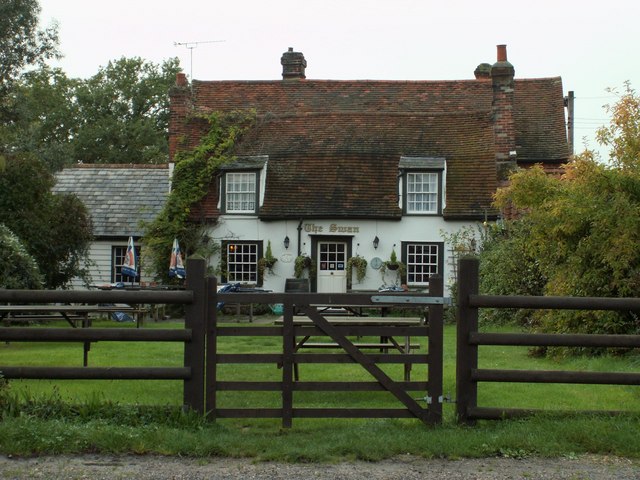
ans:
(191, 46)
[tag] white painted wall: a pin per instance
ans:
(100, 264)
(410, 228)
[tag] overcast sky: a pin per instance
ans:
(591, 44)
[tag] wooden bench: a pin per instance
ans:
(358, 344)
(29, 318)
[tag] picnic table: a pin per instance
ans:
(386, 343)
(238, 288)
(74, 314)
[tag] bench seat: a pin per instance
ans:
(358, 344)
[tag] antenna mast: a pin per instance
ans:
(191, 46)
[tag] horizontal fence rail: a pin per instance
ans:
(93, 335)
(553, 303)
(469, 339)
(95, 373)
(103, 296)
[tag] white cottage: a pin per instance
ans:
(335, 169)
(119, 198)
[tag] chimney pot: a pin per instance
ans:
(502, 53)
(483, 71)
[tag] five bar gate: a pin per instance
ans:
(288, 357)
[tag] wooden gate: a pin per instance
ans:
(323, 315)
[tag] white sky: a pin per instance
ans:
(591, 44)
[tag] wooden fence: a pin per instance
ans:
(202, 357)
(191, 373)
(469, 338)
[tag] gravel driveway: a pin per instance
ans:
(101, 467)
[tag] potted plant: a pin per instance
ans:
(302, 263)
(360, 265)
(267, 262)
(393, 264)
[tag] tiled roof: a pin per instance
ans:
(118, 197)
(334, 146)
(349, 166)
(539, 119)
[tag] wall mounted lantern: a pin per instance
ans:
(376, 242)
(286, 242)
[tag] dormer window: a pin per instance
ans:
(422, 192)
(240, 192)
(422, 180)
(241, 185)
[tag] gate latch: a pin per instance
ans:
(415, 300)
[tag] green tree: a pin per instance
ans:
(55, 229)
(45, 117)
(623, 133)
(580, 231)
(22, 44)
(508, 267)
(123, 113)
(584, 235)
(120, 115)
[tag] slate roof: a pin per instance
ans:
(118, 197)
(334, 146)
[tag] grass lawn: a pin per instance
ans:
(40, 417)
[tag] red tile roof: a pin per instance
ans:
(334, 146)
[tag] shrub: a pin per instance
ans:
(18, 269)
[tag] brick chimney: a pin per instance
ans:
(502, 73)
(181, 80)
(180, 108)
(293, 65)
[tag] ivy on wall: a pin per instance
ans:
(194, 171)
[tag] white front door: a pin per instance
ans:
(332, 267)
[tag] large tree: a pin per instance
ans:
(45, 117)
(55, 229)
(583, 230)
(123, 113)
(119, 115)
(22, 43)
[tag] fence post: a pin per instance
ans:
(435, 340)
(288, 343)
(466, 355)
(211, 372)
(194, 351)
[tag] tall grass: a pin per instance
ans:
(145, 416)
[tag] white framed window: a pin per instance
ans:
(118, 254)
(240, 192)
(422, 192)
(242, 261)
(422, 261)
(422, 185)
